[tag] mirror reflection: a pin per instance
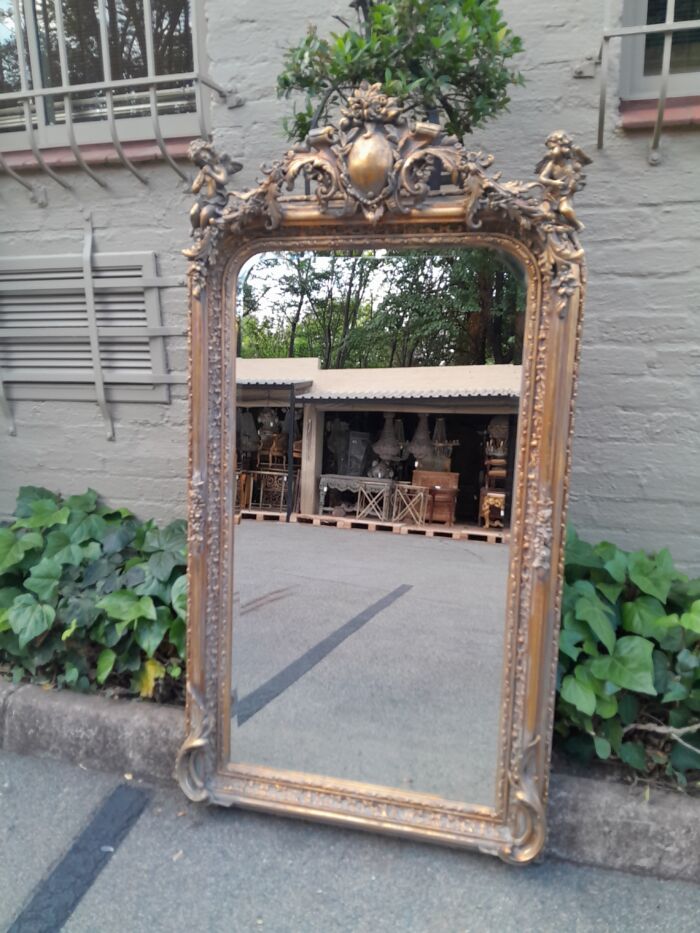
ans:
(377, 410)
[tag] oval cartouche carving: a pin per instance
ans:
(369, 162)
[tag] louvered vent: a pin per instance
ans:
(45, 328)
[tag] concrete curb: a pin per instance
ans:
(592, 821)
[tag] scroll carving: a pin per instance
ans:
(379, 163)
(188, 766)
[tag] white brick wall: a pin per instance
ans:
(637, 452)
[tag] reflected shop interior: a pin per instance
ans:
(377, 410)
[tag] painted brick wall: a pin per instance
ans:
(637, 452)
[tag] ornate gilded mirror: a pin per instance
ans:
(384, 340)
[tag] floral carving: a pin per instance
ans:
(377, 162)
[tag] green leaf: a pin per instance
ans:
(70, 554)
(602, 747)
(178, 598)
(579, 695)
(178, 636)
(628, 707)
(8, 594)
(646, 616)
(630, 665)
(691, 620)
(29, 619)
(105, 663)
(592, 611)
(683, 758)
(44, 513)
(653, 575)
(127, 606)
(13, 548)
(161, 564)
(29, 494)
(44, 579)
(568, 641)
(617, 566)
(632, 753)
(83, 503)
(611, 591)
(149, 634)
(87, 528)
(579, 553)
(606, 707)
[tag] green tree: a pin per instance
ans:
(447, 60)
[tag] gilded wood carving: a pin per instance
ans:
(377, 179)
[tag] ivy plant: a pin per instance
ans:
(448, 60)
(89, 596)
(629, 660)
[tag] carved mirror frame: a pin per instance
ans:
(370, 180)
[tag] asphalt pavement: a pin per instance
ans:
(95, 853)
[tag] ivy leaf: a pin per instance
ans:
(629, 666)
(602, 747)
(79, 607)
(691, 620)
(29, 619)
(628, 707)
(8, 594)
(147, 677)
(177, 636)
(632, 753)
(149, 634)
(178, 598)
(83, 503)
(105, 663)
(606, 708)
(683, 759)
(161, 564)
(29, 494)
(43, 513)
(611, 591)
(616, 566)
(13, 547)
(44, 579)
(653, 575)
(87, 528)
(127, 606)
(118, 537)
(592, 611)
(646, 616)
(579, 695)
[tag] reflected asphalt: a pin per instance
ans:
(370, 656)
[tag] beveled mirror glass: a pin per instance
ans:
(382, 380)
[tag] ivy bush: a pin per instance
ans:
(629, 660)
(90, 596)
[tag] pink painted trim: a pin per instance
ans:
(641, 114)
(100, 154)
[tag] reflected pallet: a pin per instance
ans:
(261, 516)
(456, 532)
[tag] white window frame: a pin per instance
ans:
(38, 135)
(634, 85)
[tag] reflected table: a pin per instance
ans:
(374, 496)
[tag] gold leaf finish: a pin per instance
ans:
(382, 197)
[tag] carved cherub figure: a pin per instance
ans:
(560, 173)
(210, 182)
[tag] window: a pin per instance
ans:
(126, 59)
(59, 339)
(642, 55)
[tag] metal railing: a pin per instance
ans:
(668, 29)
(107, 100)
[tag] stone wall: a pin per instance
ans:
(636, 476)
